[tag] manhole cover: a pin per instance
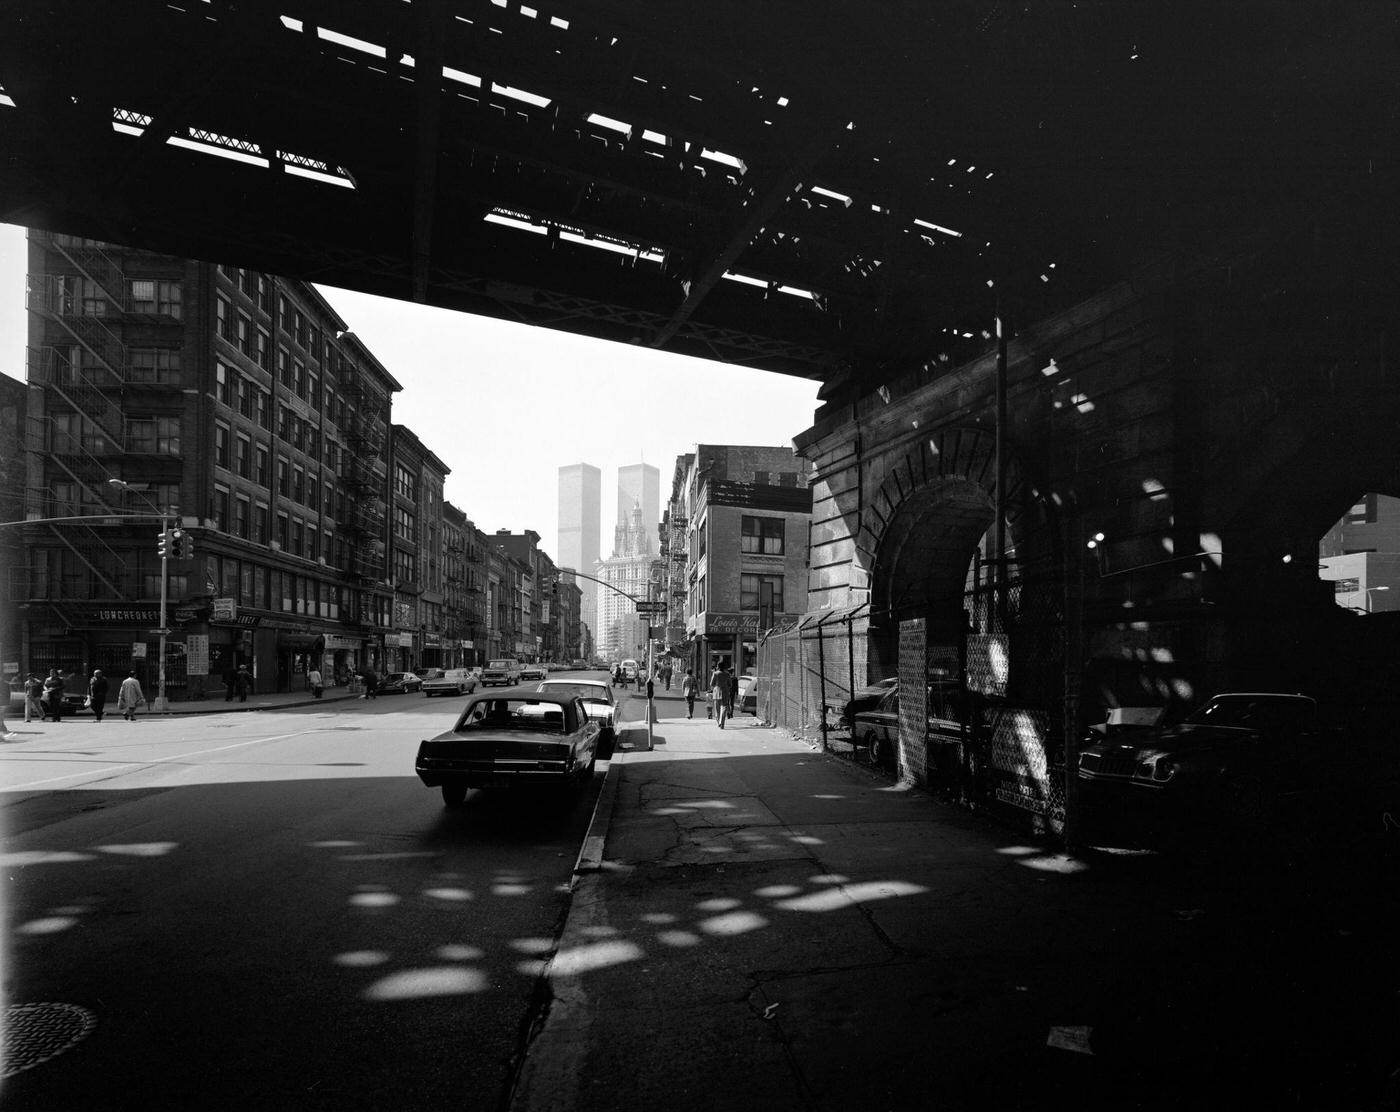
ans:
(34, 1033)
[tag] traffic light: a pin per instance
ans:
(181, 545)
(163, 544)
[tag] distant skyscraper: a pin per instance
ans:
(580, 529)
(639, 486)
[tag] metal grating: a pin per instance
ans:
(35, 1033)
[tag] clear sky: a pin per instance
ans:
(506, 405)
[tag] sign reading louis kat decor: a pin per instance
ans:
(710, 625)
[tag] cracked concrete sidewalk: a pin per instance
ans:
(764, 926)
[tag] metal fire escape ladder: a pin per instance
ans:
(61, 533)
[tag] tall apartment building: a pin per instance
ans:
(237, 405)
(748, 510)
(415, 553)
(580, 529)
(12, 479)
(464, 590)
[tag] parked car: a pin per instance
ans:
(1245, 761)
(512, 740)
(504, 672)
(399, 683)
(532, 673)
(878, 729)
(747, 699)
(452, 681)
(598, 701)
(866, 698)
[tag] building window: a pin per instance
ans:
(751, 591)
(299, 377)
(298, 484)
(244, 334)
(262, 352)
(162, 298)
(284, 367)
(160, 365)
(264, 294)
(1346, 586)
(261, 474)
(260, 512)
(245, 397)
(223, 383)
(264, 408)
(242, 456)
(761, 478)
(221, 444)
(405, 482)
(219, 506)
(762, 536)
(153, 435)
(222, 313)
(405, 566)
(313, 492)
(787, 478)
(1363, 513)
(284, 484)
(298, 537)
(404, 524)
(299, 327)
(241, 514)
(284, 531)
(313, 542)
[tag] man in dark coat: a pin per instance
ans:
(52, 701)
(97, 693)
(243, 682)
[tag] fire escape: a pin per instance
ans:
(79, 434)
(673, 564)
(363, 478)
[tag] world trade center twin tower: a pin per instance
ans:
(634, 540)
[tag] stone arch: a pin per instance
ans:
(929, 514)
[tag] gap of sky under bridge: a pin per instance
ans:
(506, 405)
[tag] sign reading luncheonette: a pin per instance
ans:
(225, 610)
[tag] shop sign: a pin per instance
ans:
(334, 642)
(12, 667)
(468, 644)
(149, 616)
(225, 610)
(197, 654)
(432, 640)
(138, 650)
(185, 614)
(405, 640)
(710, 625)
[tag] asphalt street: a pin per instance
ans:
(263, 911)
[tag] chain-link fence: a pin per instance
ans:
(986, 725)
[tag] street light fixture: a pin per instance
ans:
(162, 706)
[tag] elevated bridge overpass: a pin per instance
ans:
(1179, 219)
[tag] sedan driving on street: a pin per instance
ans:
(598, 701)
(453, 681)
(399, 683)
(511, 740)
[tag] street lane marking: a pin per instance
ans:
(158, 760)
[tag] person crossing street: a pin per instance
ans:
(719, 692)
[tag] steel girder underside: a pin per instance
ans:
(827, 190)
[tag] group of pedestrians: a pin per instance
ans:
(720, 693)
(43, 699)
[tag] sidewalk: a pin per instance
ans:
(756, 925)
(282, 700)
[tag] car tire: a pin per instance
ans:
(454, 795)
(879, 749)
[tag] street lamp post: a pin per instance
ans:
(162, 706)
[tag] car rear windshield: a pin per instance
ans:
(500, 664)
(513, 714)
(582, 690)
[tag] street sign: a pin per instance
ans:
(651, 608)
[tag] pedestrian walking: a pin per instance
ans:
(689, 688)
(52, 699)
(33, 692)
(130, 696)
(719, 693)
(97, 694)
(666, 675)
(313, 681)
(243, 682)
(733, 690)
(230, 682)
(371, 684)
